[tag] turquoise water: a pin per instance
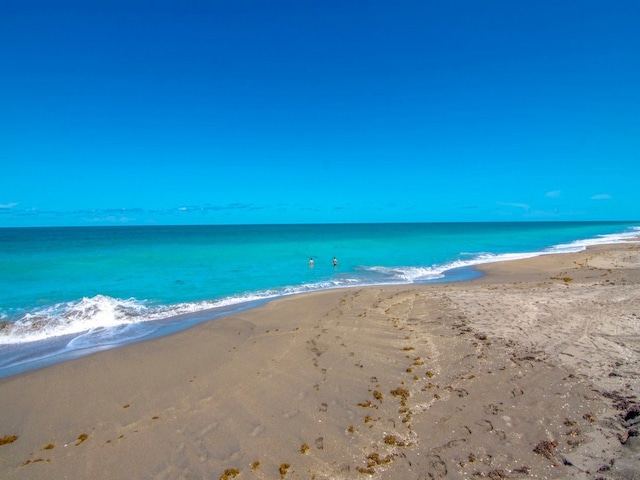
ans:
(65, 292)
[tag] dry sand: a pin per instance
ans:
(528, 372)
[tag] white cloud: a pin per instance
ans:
(553, 194)
(9, 205)
(601, 196)
(524, 206)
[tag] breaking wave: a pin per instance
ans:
(70, 329)
(101, 313)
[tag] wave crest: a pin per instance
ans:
(72, 317)
(102, 314)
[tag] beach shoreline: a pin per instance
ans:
(525, 372)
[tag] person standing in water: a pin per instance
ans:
(335, 262)
(311, 262)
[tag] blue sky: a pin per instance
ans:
(190, 112)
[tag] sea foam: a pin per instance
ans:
(103, 316)
(205, 273)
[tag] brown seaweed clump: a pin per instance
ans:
(402, 393)
(373, 460)
(366, 470)
(284, 468)
(391, 440)
(546, 448)
(230, 473)
(7, 439)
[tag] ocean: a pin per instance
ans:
(71, 291)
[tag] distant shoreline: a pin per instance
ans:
(56, 351)
(528, 370)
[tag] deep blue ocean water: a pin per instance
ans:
(66, 292)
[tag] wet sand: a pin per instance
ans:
(528, 372)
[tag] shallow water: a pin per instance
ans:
(65, 292)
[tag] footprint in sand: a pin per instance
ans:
(451, 444)
(314, 348)
(461, 392)
(486, 424)
(492, 409)
(436, 468)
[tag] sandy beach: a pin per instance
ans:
(528, 372)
